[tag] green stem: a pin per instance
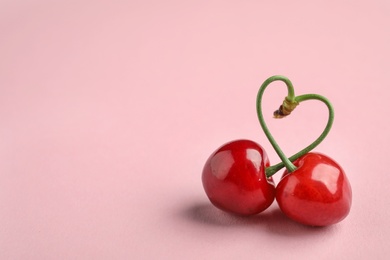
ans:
(291, 97)
(287, 162)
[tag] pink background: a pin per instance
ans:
(108, 111)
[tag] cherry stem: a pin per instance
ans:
(288, 106)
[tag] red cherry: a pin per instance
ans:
(317, 193)
(234, 178)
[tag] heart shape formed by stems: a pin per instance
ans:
(289, 104)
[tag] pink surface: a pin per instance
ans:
(109, 110)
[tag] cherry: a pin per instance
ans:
(234, 178)
(314, 189)
(317, 193)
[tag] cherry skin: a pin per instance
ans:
(317, 193)
(234, 178)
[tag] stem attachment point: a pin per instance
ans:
(286, 108)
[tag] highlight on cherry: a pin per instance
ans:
(313, 190)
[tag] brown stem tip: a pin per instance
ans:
(285, 109)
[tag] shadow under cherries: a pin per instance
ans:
(271, 220)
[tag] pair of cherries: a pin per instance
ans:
(314, 189)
